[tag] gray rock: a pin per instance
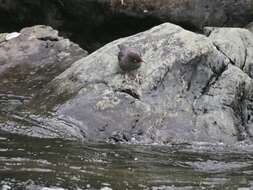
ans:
(188, 90)
(191, 87)
(30, 61)
(236, 44)
(27, 63)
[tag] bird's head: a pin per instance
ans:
(135, 58)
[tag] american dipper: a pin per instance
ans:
(129, 58)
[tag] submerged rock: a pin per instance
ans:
(189, 89)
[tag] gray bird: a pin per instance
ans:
(129, 58)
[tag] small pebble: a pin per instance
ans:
(88, 186)
(5, 187)
(11, 35)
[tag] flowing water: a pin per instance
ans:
(44, 164)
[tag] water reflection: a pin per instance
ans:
(40, 164)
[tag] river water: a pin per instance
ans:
(51, 164)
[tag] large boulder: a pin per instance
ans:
(34, 58)
(237, 45)
(27, 63)
(189, 89)
(234, 43)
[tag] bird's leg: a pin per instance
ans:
(125, 77)
(138, 78)
(132, 75)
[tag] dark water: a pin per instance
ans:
(31, 163)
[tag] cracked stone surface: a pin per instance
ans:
(236, 44)
(189, 89)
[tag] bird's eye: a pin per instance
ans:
(135, 60)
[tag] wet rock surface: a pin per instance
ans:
(34, 58)
(190, 89)
(27, 63)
